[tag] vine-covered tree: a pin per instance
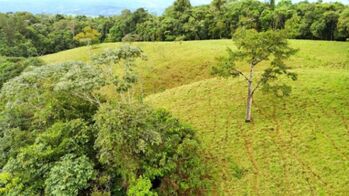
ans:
(254, 48)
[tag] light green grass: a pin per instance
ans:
(172, 64)
(295, 146)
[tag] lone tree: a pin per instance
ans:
(254, 48)
(87, 36)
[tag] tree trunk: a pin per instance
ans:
(249, 97)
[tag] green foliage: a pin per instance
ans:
(9, 184)
(70, 175)
(53, 89)
(122, 58)
(43, 158)
(254, 48)
(87, 36)
(25, 34)
(141, 187)
(48, 125)
(12, 68)
(60, 92)
(55, 141)
(343, 23)
(148, 143)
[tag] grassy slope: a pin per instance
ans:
(297, 145)
(172, 64)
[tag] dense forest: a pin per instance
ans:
(23, 34)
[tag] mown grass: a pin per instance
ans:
(295, 146)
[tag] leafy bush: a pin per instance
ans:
(141, 188)
(69, 176)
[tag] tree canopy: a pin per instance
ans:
(25, 34)
(252, 49)
(87, 36)
(67, 138)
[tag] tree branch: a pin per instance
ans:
(242, 74)
(258, 85)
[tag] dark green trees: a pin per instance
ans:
(343, 24)
(67, 138)
(254, 48)
(147, 146)
(25, 34)
(13, 67)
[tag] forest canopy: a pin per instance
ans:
(23, 34)
(67, 138)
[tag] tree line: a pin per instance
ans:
(25, 34)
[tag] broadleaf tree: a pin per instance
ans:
(67, 138)
(343, 23)
(253, 48)
(87, 36)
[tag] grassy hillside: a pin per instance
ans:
(172, 64)
(295, 146)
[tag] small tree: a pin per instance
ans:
(254, 48)
(87, 36)
(123, 60)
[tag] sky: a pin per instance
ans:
(87, 7)
(92, 7)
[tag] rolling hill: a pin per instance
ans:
(295, 146)
(172, 64)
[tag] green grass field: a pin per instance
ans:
(296, 146)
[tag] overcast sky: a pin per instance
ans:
(92, 7)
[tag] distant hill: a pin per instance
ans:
(87, 7)
(94, 7)
(78, 7)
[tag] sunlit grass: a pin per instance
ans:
(172, 64)
(295, 146)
